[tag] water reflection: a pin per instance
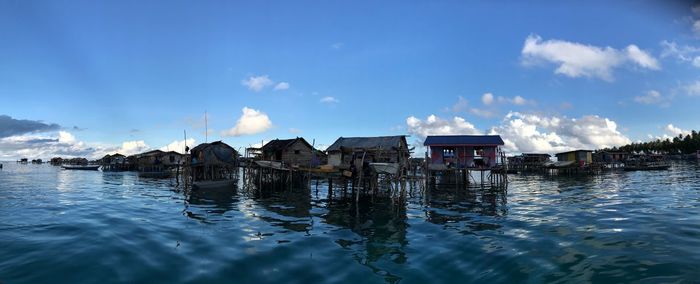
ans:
(208, 205)
(289, 209)
(466, 210)
(380, 222)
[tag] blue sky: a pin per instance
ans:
(600, 74)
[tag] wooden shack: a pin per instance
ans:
(296, 152)
(213, 161)
(580, 157)
(529, 161)
(347, 151)
(610, 157)
(463, 151)
(172, 158)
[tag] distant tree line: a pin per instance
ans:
(687, 144)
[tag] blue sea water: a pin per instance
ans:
(61, 226)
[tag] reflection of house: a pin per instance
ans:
(578, 156)
(294, 152)
(384, 149)
(463, 151)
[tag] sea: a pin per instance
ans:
(64, 226)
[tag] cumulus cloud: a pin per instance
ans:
(531, 132)
(281, 86)
(294, 130)
(534, 133)
(45, 146)
(179, 145)
(580, 60)
(11, 127)
(251, 122)
(329, 100)
(434, 125)
(675, 131)
(257, 83)
(130, 148)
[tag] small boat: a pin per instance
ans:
(271, 164)
(82, 168)
(647, 163)
(155, 174)
(385, 168)
(214, 184)
(647, 167)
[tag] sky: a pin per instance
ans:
(89, 78)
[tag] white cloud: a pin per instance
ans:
(683, 53)
(131, 148)
(531, 132)
(179, 145)
(59, 144)
(642, 58)
(487, 98)
(329, 100)
(257, 83)
(251, 122)
(281, 86)
(696, 27)
(66, 137)
(651, 97)
(581, 60)
(674, 131)
(294, 130)
(517, 100)
(337, 45)
(434, 125)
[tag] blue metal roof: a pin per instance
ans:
(456, 140)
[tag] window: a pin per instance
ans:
(447, 152)
(296, 152)
(172, 159)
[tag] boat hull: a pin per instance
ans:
(647, 168)
(163, 174)
(385, 168)
(81, 168)
(214, 185)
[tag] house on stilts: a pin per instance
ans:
(451, 159)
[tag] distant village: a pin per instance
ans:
(456, 156)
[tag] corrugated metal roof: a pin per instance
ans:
(383, 142)
(557, 154)
(281, 144)
(485, 140)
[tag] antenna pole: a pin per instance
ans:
(206, 128)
